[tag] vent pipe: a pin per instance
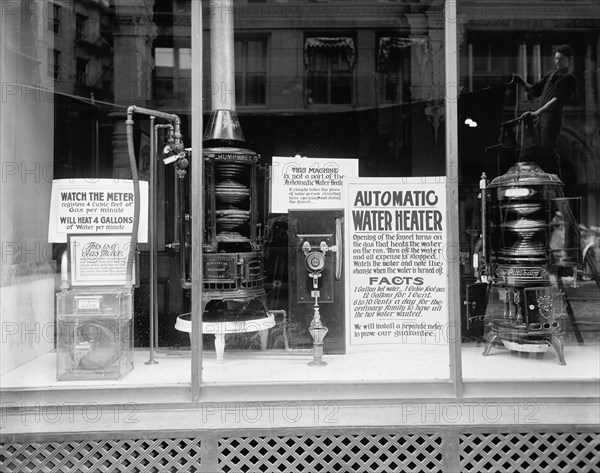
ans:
(223, 128)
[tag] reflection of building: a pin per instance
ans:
(521, 39)
(367, 80)
(80, 60)
(384, 67)
(376, 69)
(377, 74)
(78, 64)
(360, 81)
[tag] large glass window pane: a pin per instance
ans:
(275, 273)
(73, 313)
(287, 249)
(529, 176)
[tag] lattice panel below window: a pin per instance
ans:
(312, 453)
(102, 456)
(530, 452)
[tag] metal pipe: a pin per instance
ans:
(152, 240)
(178, 146)
(483, 183)
(223, 128)
(222, 54)
(136, 198)
(176, 204)
(183, 247)
(286, 343)
(158, 114)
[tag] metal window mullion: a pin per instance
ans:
(452, 230)
(197, 200)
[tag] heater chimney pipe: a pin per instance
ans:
(222, 60)
(223, 127)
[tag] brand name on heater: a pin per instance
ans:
(536, 273)
(251, 158)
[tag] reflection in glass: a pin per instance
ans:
(527, 230)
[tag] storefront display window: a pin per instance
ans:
(225, 193)
(344, 208)
(529, 196)
(75, 310)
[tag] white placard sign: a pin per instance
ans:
(309, 183)
(99, 260)
(397, 267)
(98, 206)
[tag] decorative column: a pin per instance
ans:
(428, 87)
(420, 61)
(435, 26)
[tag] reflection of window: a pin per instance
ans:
(163, 74)
(492, 59)
(163, 57)
(393, 68)
(54, 18)
(81, 70)
(80, 27)
(250, 71)
(172, 74)
(329, 62)
(185, 59)
(53, 63)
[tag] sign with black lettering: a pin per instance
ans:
(397, 260)
(309, 183)
(100, 260)
(100, 206)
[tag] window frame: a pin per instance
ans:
(384, 77)
(81, 76)
(242, 92)
(53, 63)
(81, 22)
(328, 76)
(54, 16)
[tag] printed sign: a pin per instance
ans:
(309, 183)
(98, 206)
(396, 234)
(99, 260)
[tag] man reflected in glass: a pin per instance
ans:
(555, 89)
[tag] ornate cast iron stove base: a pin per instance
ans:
(523, 338)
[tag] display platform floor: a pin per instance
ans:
(419, 363)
